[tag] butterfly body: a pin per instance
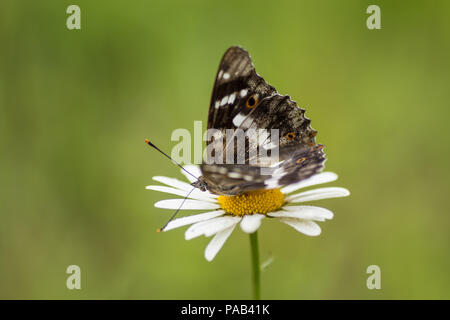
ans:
(242, 100)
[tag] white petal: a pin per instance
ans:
(303, 212)
(210, 227)
(181, 185)
(217, 243)
(251, 223)
(172, 182)
(320, 178)
(318, 194)
(184, 221)
(195, 194)
(195, 170)
(310, 228)
(188, 204)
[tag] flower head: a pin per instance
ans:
(248, 210)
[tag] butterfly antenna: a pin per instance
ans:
(175, 213)
(165, 154)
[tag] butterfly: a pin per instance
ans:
(241, 99)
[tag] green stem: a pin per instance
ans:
(255, 265)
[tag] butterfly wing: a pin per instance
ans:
(233, 179)
(236, 81)
(241, 99)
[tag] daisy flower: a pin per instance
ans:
(223, 213)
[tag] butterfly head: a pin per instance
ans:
(200, 184)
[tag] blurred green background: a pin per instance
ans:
(76, 105)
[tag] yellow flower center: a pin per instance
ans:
(260, 201)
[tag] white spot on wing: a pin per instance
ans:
(226, 75)
(238, 119)
(231, 98)
(224, 101)
(217, 104)
(235, 175)
(221, 170)
(243, 92)
(220, 74)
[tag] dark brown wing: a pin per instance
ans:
(236, 81)
(230, 179)
(241, 99)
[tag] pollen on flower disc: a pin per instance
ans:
(260, 201)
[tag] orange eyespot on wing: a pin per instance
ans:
(301, 160)
(252, 101)
(290, 136)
